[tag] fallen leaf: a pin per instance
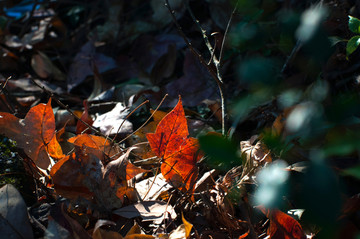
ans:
(55, 230)
(178, 233)
(155, 211)
(35, 134)
(188, 226)
(255, 153)
(68, 180)
(136, 233)
(44, 67)
(178, 151)
(13, 213)
(144, 150)
(195, 85)
(151, 188)
(82, 128)
(81, 65)
(282, 226)
(98, 145)
(110, 122)
(100, 233)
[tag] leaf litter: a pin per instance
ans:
(139, 184)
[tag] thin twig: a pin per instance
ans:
(67, 108)
(203, 32)
(6, 100)
(152, 183)
(188, 43)
(293, 53)
(144, 122)
(215, 75)
(145, 102)
(3, 85)
(227, 31)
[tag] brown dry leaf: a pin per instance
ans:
(155, 211)
(114, 186)
(151, 188)
(44, 67)
(278, 127)
(35, 134)
(100, 233)
(122, 168)
(68, 179)
(255, 153)
(83, 174)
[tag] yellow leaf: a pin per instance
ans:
(188, 226)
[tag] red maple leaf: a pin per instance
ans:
(178, 151)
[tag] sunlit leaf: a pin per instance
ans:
(35, 134)
(354, 24)
(354, 171)
(352, 45)
(179, 152)
(282, 226)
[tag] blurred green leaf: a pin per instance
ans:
(319, 194)
(342, 142)
(221, 151)
(352, 45)
(354, 24)
(355, 171)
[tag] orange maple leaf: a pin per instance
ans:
(35, 134)
(282, 226)
(178, 151)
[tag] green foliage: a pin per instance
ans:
(354, 24)
(353, 43)
(221, 151)
(354, 171)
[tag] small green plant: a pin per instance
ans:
(354, 42)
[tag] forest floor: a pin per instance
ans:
(179, 119)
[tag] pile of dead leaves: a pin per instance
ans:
(107, 196)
